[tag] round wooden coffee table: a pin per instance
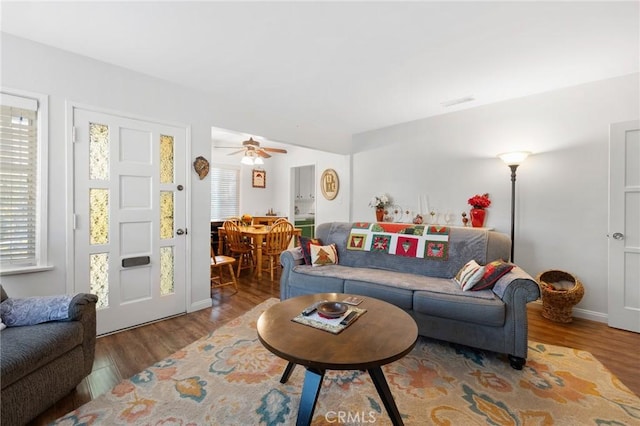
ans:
(385, 333)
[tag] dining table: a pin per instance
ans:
(257, 235)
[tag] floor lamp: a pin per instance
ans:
(513, 160)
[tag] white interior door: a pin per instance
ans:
(624, 225)
(130, 212)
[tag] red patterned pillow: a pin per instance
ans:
(492, 273)
(305, 242)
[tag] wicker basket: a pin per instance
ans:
(561, 291)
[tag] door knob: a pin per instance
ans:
(618, 236)
(180, 232)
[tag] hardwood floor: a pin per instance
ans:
(121, 355)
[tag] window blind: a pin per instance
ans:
(225, 192)
(18, 180)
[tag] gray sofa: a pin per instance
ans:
(491, 319)
(42, 363)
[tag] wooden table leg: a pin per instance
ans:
(385, 394)
(310, 390)
(258, 248)
(220, 244)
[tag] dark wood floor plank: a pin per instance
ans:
(121, 355)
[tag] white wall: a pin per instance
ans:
(562, 194)
(68, 77)
(279, 191)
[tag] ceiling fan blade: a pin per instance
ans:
(236, 152)
(281, 151)
(261, 153)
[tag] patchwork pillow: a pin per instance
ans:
(492, 273)
(34, 310)
(305, 242)
(469, 275)
(323, 255)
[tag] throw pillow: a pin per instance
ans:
(34, 310)
(492, 273)
(323, 255)
(469, 275)
(305, 242)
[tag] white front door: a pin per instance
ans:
(624, 225)
(129, 217)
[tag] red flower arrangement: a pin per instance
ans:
(480, 201)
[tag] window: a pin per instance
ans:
(225, 192)
(23, 136)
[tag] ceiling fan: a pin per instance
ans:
(252, 149)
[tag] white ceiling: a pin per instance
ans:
(315, 73)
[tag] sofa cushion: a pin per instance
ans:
(390, 279)
(305, 243)
(25, 349)
(399, 297)
(482, 311)
(469, 275)
(464, 244)
(492, 273)
(323, 255)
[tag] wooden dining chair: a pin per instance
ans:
(218, 262)
(239, 247)
(276, 241)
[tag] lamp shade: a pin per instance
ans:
(247, 160)
(514, 158)
(258, 161)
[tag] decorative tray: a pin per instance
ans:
(332, 325)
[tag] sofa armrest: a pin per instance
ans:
(516, 289)
(83, 309)
(517, 278)
(288, 259)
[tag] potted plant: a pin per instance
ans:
(478, 203)
(379, 202)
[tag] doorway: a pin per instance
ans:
(129, 207)
(624, 226)
(304, 199)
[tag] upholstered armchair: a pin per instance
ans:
(46, 349)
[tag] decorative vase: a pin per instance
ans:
(477, 217)
(379, 214)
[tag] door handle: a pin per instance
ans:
(180, 232)
(618, 236)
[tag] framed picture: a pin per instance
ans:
(259, 178)
(329, 184)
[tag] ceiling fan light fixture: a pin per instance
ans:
(247, 160)
(258, 161)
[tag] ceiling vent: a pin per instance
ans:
(458, 101)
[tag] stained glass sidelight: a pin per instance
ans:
(166, 215)
(166, 159)
(98, 216)
(99, 278)
(166, 271)
(98, 151)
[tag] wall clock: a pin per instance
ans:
(329, 184)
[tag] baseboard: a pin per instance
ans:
(201, 304)
(586, 314)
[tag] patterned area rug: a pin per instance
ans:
(228, 378)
